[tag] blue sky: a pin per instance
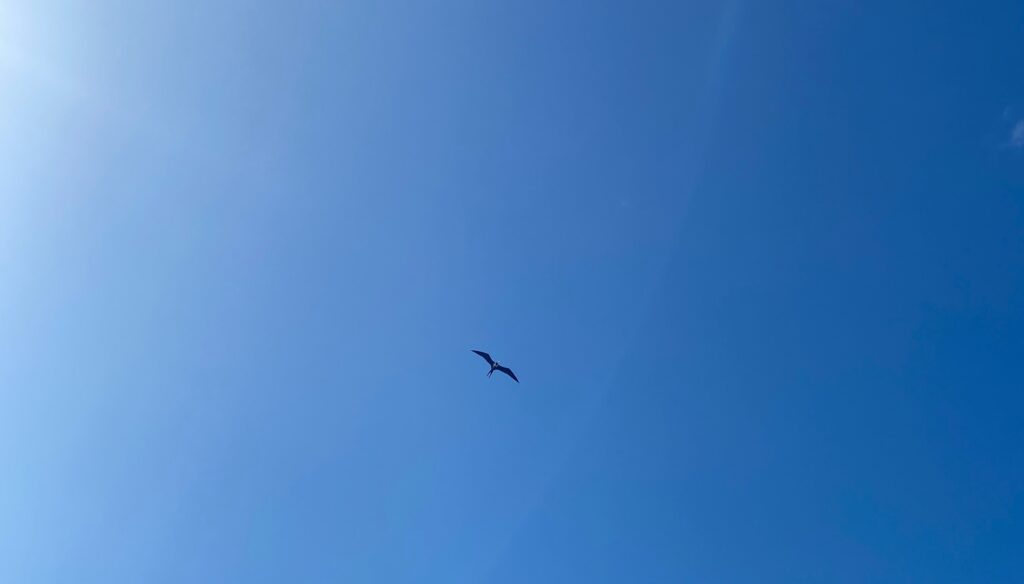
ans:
(759, 269)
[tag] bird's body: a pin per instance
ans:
(495, 366)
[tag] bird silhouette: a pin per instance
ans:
(495, 366)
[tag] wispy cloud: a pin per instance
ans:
(1017, 135)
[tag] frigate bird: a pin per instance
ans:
(495, 366)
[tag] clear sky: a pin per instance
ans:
(759, 266)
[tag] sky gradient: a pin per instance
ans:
(759, 268)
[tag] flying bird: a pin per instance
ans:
(495, 366)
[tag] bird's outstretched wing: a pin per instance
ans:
(485, 356)
(508, 372)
